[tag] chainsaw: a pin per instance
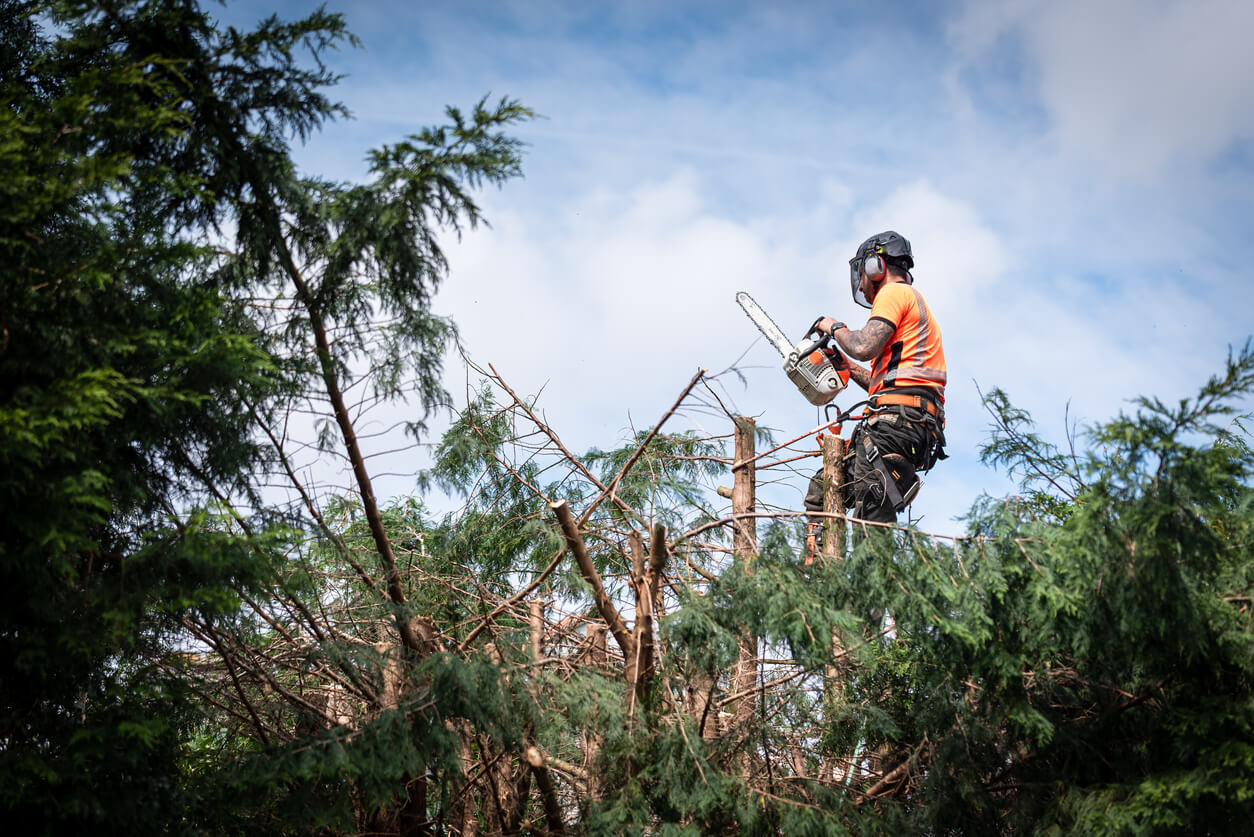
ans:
(808, 363)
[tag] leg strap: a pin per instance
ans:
(891, 491)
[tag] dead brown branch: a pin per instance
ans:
(578, 550)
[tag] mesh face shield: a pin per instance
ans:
(855, 281)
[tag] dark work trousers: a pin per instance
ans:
(909, 441)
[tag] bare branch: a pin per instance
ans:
(575, 543)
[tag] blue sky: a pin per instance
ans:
(1076, 176)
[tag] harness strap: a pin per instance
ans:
(890, 485)
(919, 402)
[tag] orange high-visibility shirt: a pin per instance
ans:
(914, 356)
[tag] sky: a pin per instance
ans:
(1076, 178)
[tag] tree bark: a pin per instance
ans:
(548, 792)
(833, 491)
(744, 548)
(365, 487)
(834, 550)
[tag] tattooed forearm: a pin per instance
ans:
(867, 342)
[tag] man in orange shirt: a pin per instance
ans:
(903, 432)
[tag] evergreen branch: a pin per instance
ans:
(312, 508)
(536, 758)
(1040, 459)
(763, 688)
(548, 793)
(383, 542)
(796, 803)
(208, 636)
(211, 635)
(892, 781)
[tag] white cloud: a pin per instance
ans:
(955, 249)
(1133, 86)
(616, 303)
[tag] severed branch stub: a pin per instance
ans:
(640, 667)
(538, 759)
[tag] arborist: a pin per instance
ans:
(902, 432)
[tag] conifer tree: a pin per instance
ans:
(122, 362)
(596, 642)
(1078, 663)
(147, 387)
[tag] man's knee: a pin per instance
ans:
(872, 501)
(878, 464)
(865, 489)
(814, 494)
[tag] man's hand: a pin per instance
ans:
(824, 325)
(836, 356)
(839, 359)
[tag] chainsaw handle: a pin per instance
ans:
(826, 344)
(821, 343)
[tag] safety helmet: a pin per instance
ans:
(873, 257)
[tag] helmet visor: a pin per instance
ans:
(855, 282)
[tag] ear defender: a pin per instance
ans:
(874, 268)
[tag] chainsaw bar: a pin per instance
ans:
(766, 325)
(808, 369)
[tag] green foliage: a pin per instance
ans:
(1081, 664)
(669, 479)
(177, 657)
(502, 527)
(334, 778)
(1089, 670)
(363, 261)
(122, 367)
